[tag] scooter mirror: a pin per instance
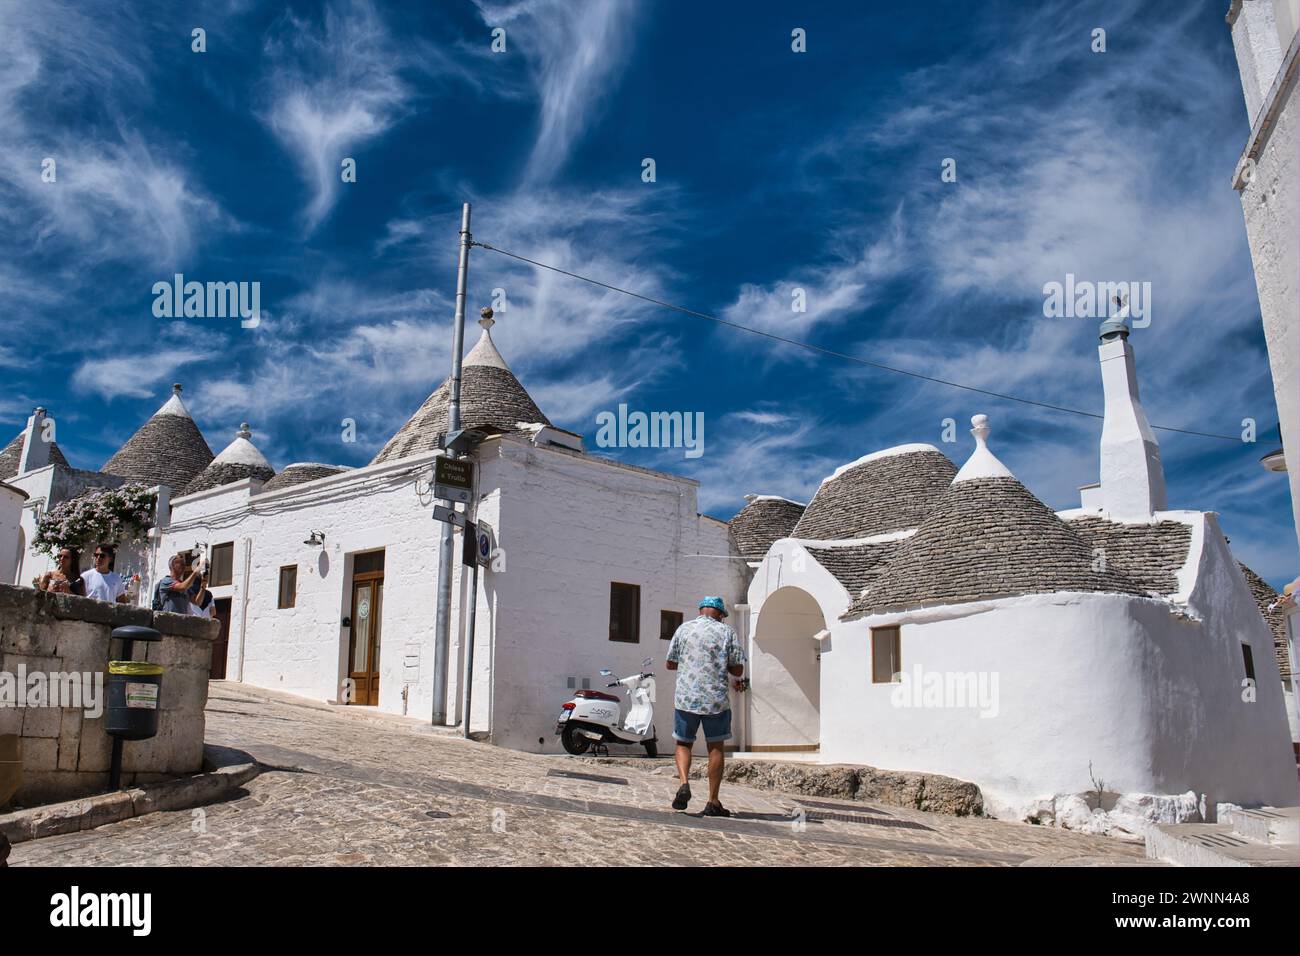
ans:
(606, 672)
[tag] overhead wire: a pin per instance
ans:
(823, 350)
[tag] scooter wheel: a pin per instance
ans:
(574, 742)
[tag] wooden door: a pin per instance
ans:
(363, 652)
(222, 643)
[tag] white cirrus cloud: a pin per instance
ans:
(573, 52)
(332, 87)
(132, 376)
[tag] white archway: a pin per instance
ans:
(785, 673)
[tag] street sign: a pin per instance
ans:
(469, 545)
(486, 541)
(453, 479)
(443, 513)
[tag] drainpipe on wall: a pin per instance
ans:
(243, 606)
(742, 618)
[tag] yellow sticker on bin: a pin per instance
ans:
(135, 668)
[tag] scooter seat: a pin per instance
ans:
(596, 695)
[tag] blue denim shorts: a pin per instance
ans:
(687, 725)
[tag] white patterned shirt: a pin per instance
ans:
(704, 649)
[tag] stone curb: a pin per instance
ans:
(232, 769)
(929, 792)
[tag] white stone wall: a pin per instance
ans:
(566, 527)
(12, 541)
(570, 526)
(1150, 696)
(1268, 203)
(303, 649)
(778, 710)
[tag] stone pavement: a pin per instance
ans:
(349, 786)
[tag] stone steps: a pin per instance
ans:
(1264, 837)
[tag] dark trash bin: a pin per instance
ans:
(132, 708)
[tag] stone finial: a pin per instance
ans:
(176, 388)
(485, 318)
(982, 462)
(243, 432)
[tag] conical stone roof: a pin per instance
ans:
(491, 398)
(12, 456)
(986, 537)
(237, 461)
(764, 520)
(168, 449)
(301, 472)
(889, 490)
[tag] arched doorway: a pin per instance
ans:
(785, 673)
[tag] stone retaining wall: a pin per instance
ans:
(64, 753)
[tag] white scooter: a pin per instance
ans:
(591, 719)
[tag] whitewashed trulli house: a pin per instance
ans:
(932, 619)
(326, 578)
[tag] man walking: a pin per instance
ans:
(703, 652)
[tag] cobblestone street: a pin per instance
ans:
(359, 788)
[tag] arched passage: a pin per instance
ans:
(785, 672)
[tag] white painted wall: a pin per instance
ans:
(570, 526)
(1261, 33)
(1149, 694)
(12, 541)
(784, 704)
(303, 649)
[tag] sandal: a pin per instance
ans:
(683, 797)
(715, 810)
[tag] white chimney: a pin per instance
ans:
(1132, 478)
(36, 450)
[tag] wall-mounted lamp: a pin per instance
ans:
(317, 539)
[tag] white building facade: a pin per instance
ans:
(1267, 45)
(916, 616)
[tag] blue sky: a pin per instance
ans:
(775, 170)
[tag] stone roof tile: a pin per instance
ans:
(491, 399)
(12, 456)
(762, 521)
(986, 538)
(1264, 595)
(168, 449)
(885, 492)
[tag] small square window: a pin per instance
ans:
(288, 585)
(223, 563)
(886, 654)
(625, 613)
(669, 622)
(1249, 661)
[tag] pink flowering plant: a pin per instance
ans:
(107, 515)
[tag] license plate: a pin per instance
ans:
(564, 715)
